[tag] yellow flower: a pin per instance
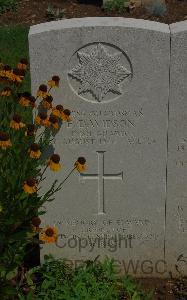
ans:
(54, 82)
(6, 71)
(47, 102)
(49, 235)
(57, 111)
(22, 65)
(30, 186)
(34, 151)
(42, 91)
(4, 140)
(24, 99)
(53, 163)
(17, 75)
(30, 130)
(42, 119)
(6, 92)
(80, 164)
(53, 121)
(16, 122)
(66, 115)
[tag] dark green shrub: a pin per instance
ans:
(118, 5)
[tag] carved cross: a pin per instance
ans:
(100, 176)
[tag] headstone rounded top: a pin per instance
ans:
(178, 27)
(99, 21)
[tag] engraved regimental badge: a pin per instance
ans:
(100, 71)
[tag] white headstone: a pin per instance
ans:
(115, 79)
(176, 219)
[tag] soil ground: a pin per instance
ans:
(30, 12)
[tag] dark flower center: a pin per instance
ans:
(59, 107)
(55, 158)
(24, 61)
(32, 99)
(81, 160)
(53, 119)
(7, 68)
(43, 88)
(56, 78)
(36, 221)
(67, 112)
(26, 95)
(49, 99)
(49, 232)
(43, 115)
(4, 136)
(19, 72)
(17, 118)
(31, 182)
(34, 147)
(7, 89)
(30, 127)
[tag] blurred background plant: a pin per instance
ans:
(116, 5)
(6, 5)
(157, 8)
(53, 13)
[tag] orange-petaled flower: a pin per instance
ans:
(54, 163)
(4, 140)
(24, 99)
(16, 123)
(53, 121)
(42, 91)
(49, 234)
(80, 164)
(31, 130)
(57, 111)
(17, 75)
(54, 82)
(23, 63)
(42, 119)
(66, 115)
(34, 151)
(47, 102)
(6, 71)
(6, 92)
(30, 186)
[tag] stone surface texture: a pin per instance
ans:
(117, 208)
(176, 218)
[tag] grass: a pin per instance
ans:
(13, 46)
